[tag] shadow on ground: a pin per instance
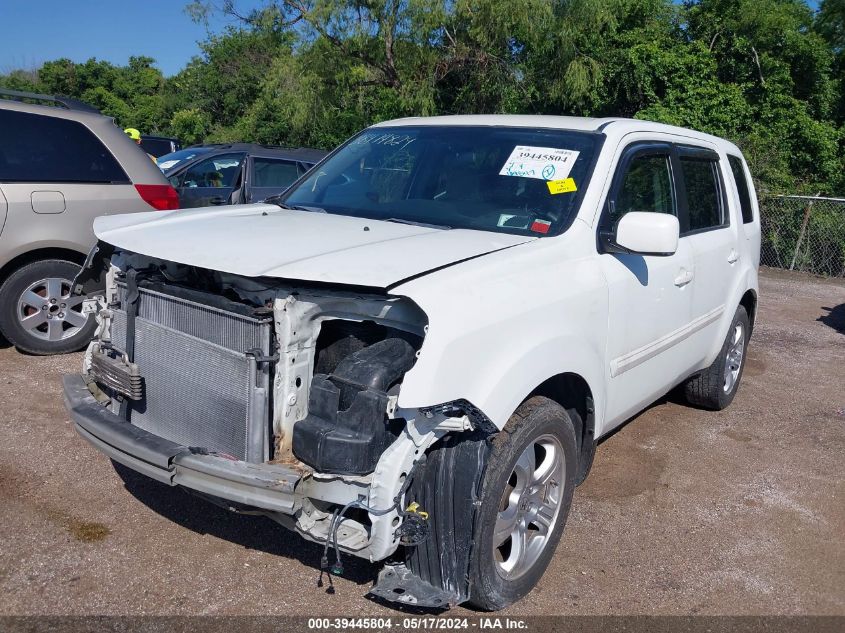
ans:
(262, 533)
(252, 532)
(676, 396)
(834, 318)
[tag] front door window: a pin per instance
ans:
(646, 186)
(211, 181)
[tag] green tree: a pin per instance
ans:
(191, 125)
(831, 22)
(22, 80)
(227, 77)
(767, 74)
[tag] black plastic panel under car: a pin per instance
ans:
(347, 428)
(92, 277)
(446, 485)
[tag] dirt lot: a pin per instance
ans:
(685, 512)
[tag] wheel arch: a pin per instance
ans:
(742, 294)
(749, 302)
(40, 254)
(572, 392)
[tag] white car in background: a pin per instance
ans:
(412, 354)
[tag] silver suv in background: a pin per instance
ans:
(61, 165)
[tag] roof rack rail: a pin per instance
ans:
(66, 102)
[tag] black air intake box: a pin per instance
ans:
(347, 428)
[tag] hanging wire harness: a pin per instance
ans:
(414, 517)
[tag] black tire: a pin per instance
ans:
(35, 340)
(709, 389)
(535, 419)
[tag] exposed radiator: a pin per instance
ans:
(202, 386)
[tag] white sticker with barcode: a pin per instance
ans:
(543, 163)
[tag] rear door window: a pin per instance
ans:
(38, 148)
(269, 172)
(738, 171)
(703, 186)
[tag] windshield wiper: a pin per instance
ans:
(292, 207)
(415, 223)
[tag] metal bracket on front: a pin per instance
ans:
(460, 424)
(91, 305)
(261, 358)
(397, 583)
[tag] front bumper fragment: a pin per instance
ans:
(266, 486)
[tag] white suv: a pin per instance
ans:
(412, 354)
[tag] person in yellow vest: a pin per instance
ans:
(135, 135)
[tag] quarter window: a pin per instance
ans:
(646, 186)
(738, 172)
(704, 198)
(37, 148)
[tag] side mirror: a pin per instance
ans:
(645, 234)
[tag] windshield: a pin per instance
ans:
(172, 160)
(510, 180)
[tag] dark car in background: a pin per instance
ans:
(159, 145)
(234, 173)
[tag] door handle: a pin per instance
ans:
(733, 256)
(683, 278)
(217, 200)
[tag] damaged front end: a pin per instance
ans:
(270, 397)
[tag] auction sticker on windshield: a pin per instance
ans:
(543, 163)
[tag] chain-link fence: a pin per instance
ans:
(804, 233)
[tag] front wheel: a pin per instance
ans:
(525, 498)
(37, 312)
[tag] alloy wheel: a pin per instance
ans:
(46, 310)
(529, 508)
(733, 361)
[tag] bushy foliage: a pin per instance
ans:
(767, 74)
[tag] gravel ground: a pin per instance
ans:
(685, 512)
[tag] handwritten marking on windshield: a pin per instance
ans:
(518, 169)
(400, 141)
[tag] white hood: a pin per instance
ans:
(260, 240)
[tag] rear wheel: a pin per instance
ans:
(525, 499)
(37, 312)
(716, 386)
